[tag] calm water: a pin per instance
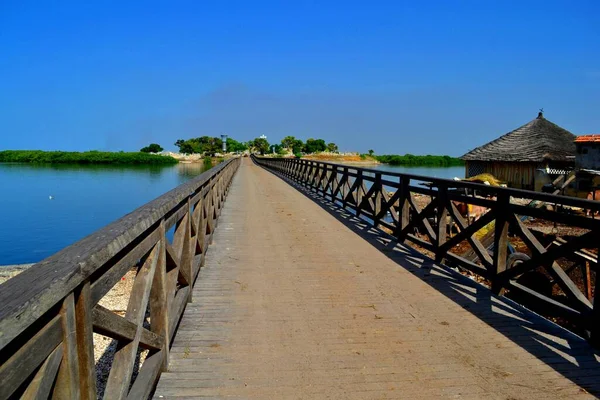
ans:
(445, 173)
(85, 198)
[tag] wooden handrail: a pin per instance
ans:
(387, 200)
(49, 312)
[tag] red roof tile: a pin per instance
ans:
(587, 138)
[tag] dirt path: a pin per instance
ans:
(294, 305)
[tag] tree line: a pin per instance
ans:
(412, 160)
(86, 157)
(208, 145)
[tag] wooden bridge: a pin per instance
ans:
(321, 282)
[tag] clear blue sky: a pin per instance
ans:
(435, 77)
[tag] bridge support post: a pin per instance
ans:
(500, 242)
(442, 223)
(595, 325)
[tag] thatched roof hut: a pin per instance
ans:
(514, 157)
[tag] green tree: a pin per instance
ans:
(235, 146)
(277, 149)
(371, 152)
(288, 142)
(332, 148)
(293, 144)
(314, 146)
(259, 145)
(152, 148)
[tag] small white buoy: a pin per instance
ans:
(50, 197)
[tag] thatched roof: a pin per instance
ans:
(536, 141)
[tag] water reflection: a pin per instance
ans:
(190, 170)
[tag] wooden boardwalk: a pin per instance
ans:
(299, 301)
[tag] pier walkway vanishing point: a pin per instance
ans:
(300, 300)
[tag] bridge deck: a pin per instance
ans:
(292, 303)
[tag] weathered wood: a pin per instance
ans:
(587, 279)
(43, 381)
(500, 241)
(15, 370)
(442, 223)
(560, 277)
(67, 381)
(467, 233)
(595, 323)
(119, 377)
(177, 307)
(109, 324)
(85, 343)
(147, 376)
(49, 306)
(113, 275)
(160, 303)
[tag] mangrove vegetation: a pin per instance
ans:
(86, 157)
(411, 160)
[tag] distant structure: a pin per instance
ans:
(514, 157)
(587, 161)
(224, 140)
(263, 137)
(588, 152)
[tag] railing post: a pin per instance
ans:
(334, 179)
(500, 241)
(67, 381)
(377, 199)
(85, 343)
(359, 194)
(159, 301)
(404, 213)
(442, 223)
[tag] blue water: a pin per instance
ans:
(434, 172)
(84, 199)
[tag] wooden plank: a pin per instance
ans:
(67, 381)
(468, 264)
(43, 381)
(442, 224)
(15, 370)
(500, 241)
(110, 278)
(468, 232)
(119, 377)
(546, 304)
(418, 219)
(549, 255)
(109, 324)
(159, 304)
(147, 376)
(85, 343)
(557, 273)
(51, 280)
(177, 307)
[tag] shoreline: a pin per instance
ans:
(8, 271)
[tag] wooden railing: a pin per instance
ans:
(391, 201)
(49, 313)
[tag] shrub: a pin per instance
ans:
(152, 148)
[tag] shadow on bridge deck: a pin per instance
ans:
(552, 345)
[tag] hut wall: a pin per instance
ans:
(517, 175)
